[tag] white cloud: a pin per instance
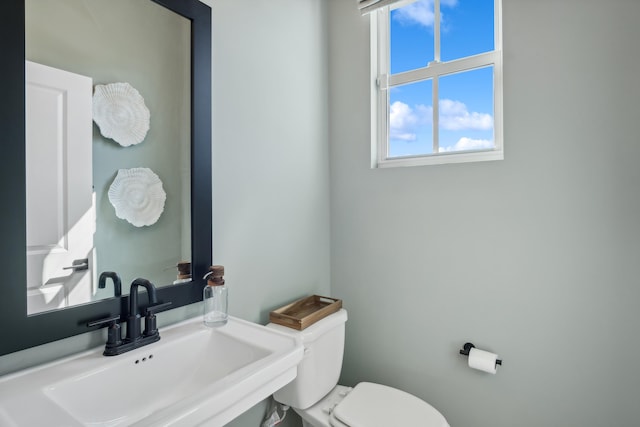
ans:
(455, 116)
(421, 12)
(465, 143)
(404, 120)
(401, 115)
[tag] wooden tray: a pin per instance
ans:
(305, 312)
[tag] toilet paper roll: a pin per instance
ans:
(482, 360)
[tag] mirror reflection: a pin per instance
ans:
(108, 185)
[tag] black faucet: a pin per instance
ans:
(117, 283)
(133, 321)
(115, 344)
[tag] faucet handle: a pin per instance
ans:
(106, 321)
(114, 336)
(150, 327)
(153, 309)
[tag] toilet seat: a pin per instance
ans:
(376, 405)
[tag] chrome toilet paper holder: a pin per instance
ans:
(467, 348)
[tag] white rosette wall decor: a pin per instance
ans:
(120, 113)
(137, 196)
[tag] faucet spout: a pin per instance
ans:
(151, 292)
(117, 283)
(133, 321)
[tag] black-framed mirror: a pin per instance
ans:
(23, 331)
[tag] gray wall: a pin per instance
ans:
(270, 156)
(533, 257)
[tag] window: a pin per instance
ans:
(437, 82)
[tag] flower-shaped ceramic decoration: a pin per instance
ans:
(138, 196)
(120, 113)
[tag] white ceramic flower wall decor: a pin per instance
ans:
(137, 196)
(120, 113)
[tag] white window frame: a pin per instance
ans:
(382, 81)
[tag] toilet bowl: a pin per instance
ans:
(370, 405)
(316, 396)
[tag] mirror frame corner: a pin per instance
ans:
(30, 331)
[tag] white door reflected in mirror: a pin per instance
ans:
(60, 197)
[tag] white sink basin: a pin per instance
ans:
(193, 376)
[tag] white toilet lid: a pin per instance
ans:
(376, 405)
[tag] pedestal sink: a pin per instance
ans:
(193, 376)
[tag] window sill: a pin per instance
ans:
(441, 159)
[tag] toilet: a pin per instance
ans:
(316, 396)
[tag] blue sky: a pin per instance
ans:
(466, 99)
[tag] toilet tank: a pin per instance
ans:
(319, 370)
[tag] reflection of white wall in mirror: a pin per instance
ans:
(60, 206)
(46, 298)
